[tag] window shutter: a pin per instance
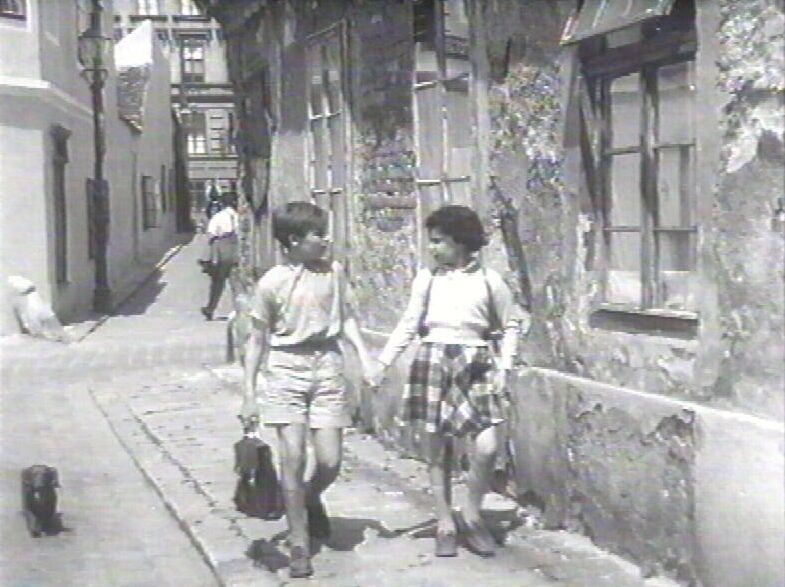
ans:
(597, 17)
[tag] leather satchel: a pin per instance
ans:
(226, 249)
(258, 493)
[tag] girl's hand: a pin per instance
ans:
(375, 373)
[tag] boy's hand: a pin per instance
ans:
(249, 410)
(502, 380)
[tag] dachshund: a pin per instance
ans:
(39, 499)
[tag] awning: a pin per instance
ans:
(597, 17)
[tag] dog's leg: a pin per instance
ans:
(33, 524)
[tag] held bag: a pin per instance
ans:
(258, 493)
(226, 249)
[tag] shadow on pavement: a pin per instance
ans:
(346, 535)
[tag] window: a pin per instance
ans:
(230, 128)
(60, 137)
(193, 60)
(13, 9)
(196, 127)
(163, 188)
(327, 130)
(196, 189)
(639, 122)
(442, 109)
(188, 8)
(149, 202)
(147, 7)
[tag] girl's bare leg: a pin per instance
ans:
(482, 455)
(439, 472)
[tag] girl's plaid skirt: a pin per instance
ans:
(451, 388)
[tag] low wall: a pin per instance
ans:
(684, 490)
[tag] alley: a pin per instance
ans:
(140, 418)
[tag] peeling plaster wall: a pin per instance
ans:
(747, 255)
(384, 241)
(532, 157)
(611, 463)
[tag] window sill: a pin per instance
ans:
(13, 16)
(190, 18)
(153, 17)
(655, 322)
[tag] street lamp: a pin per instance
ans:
(93, 46)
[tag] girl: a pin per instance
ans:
(460, 310)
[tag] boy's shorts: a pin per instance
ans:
(306, 385)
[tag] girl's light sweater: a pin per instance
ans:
(458, 312)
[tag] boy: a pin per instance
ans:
(299, 310)
(456, 386)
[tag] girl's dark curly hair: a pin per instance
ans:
(461, 223)
(298, 219)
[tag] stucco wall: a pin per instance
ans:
(384, 241)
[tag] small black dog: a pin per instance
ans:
(39, 499)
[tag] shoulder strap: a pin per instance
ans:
(494, 322)
(337, 307)
(298, 274)
(422, 329)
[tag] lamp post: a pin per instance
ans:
(93, 45)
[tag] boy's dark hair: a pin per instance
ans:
(461, 223)
(298, 219)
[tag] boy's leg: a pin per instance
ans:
(327, 445)
(291, 447)
(327, 453)
(439, 472)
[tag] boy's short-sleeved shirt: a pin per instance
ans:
(300, 305)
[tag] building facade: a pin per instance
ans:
(200, 89)
(46, 158)
(628, 158)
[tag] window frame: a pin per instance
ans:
(330, 123)
(60, 159)
(143, 7)
(196, 139)
(194, 69)
(600, 67)
(433, 40)
(191, 10)
(149, 202)
(20, 13)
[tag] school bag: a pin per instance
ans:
(258, 493)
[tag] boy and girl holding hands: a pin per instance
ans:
(462, 312)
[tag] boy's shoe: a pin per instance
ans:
(318, 522)
(207, 313)
(299, 563)
(446, 544)
(478, 539)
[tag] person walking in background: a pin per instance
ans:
(224, 250)
(300, 309)
(214, 200)
(457, 387)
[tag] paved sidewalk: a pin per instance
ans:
(181, 430)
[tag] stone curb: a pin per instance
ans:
(219, 542)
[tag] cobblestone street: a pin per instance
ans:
(140, 419)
